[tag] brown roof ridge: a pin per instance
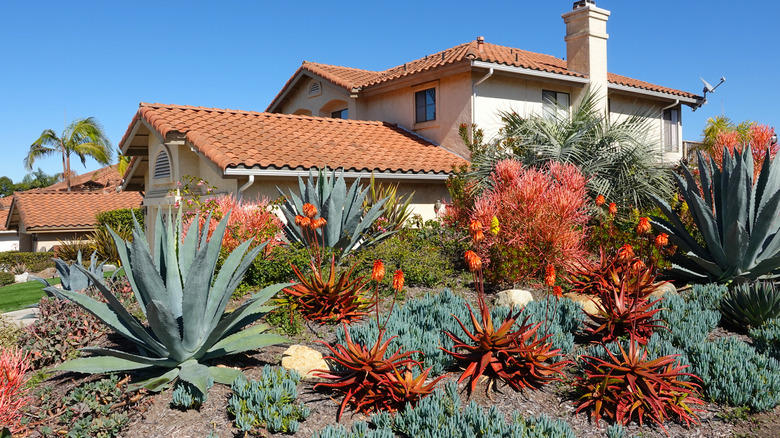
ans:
(322, 64)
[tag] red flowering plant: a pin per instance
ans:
(758, 137)
(630, 386)
(340, 297)
(609, 231)
(620, 286)
(14, 363)
(514, 354)
(542, 215)
(369, 380)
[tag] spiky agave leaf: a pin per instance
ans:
(184, 304)
(736, 218)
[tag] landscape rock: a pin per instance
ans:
(588, 303)
(109, 268)
(518, 298)
(661, 290)
(22, 278)
(303, 359)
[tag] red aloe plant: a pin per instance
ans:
(623, 284)
(631, 387)
(518, 357)
(369, 380)
(331, 300)
(13, 394)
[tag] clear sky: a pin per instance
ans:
(101, 58)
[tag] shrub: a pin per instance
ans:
(632, 386)
(248, 220)
(443, 416)
(751, 304)
(181, 334)
(9, 332)
(119, 218)
(395, 209)
(61, 329)
(267, 402)
(541, 213)
(13, 258)
(14, 363)
(732, 372)
(7, 278)
(276, 266)
(421, 260)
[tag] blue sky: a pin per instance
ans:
(102, 58)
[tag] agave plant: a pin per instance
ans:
(736, 216)
(347, 224)
(73, 278)
(518, 357)
(184, 303)
(750, 305)
(396, 210)
(629, 386)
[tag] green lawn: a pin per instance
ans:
(20, 295)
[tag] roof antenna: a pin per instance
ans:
(707, 89)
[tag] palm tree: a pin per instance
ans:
(83, 137)
(619, 156)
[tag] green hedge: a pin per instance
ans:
(119, 218)
(35, 261)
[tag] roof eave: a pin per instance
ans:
(530, 72)
(410, 175)
(658, 94)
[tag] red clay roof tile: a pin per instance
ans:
(232, 138)
(353, 78)
(70, 210)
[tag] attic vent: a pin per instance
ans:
(162, 165)
(315, 89)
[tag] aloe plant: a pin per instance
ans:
(736, 216)
(750, 305)
(347, 226)
(184, 303)
(72, 278)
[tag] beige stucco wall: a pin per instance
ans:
(9, 241)
(330, 98)
(425, 194)
(46, 241)
(652, 112)
(453, 95)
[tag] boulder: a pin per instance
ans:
(22, 278)
(303, 359)
(588, 303)
(109, 268)
(661, 290)
(517, 298)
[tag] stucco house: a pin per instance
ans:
(400, 123)
(40, 218)
(9, 240)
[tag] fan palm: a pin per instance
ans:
(83, 137)
(619, 156)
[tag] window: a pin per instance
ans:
(671, 132)
(162, 165)
(340, 114)
(425, 105)
(556, 104)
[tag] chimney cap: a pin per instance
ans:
(583, 3)
(480, 39)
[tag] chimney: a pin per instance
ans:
(480, 42)
(586, 45)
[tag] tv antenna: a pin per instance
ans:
(708, 89)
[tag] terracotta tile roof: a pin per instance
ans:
(69, 210)
(4, 218)
(5, 202)
(105, 177)
(232, 138)
(353, 78)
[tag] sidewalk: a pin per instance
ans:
(23, 317)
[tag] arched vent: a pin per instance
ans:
(315, 88)
(162, 165)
